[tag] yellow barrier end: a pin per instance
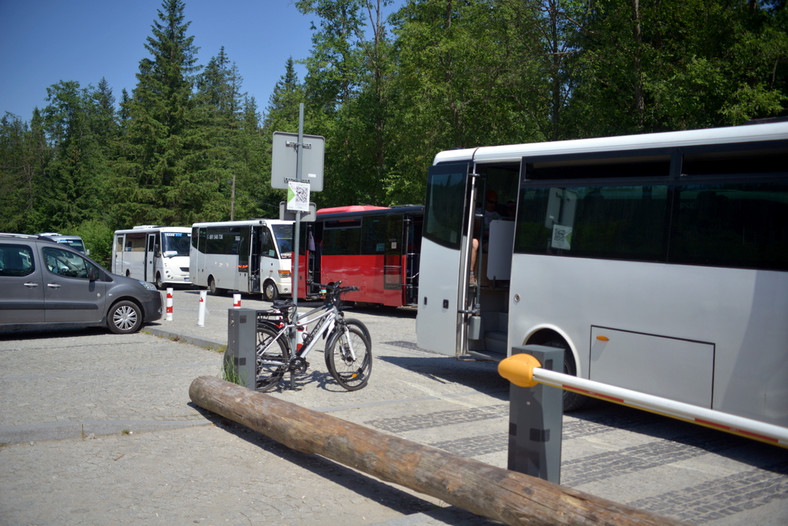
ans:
(519, 369)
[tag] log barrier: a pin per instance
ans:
(489, 491)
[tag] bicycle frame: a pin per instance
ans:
(326, 323)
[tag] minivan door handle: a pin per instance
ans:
(31, 284)
(53, 285)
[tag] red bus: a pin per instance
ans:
(370, 247)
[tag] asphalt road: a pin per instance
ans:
(98, 428)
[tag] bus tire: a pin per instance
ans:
(212, 288)
(159, 283)
(572, 401)
(270, 292)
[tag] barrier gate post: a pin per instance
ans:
(535, 420)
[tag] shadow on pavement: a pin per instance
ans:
(360, 483)
(478, 375)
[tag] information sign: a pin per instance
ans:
(284, 159)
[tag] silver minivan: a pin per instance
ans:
(43, 283)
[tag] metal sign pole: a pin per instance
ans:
(297, 232)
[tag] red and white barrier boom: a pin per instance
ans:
(525, 371)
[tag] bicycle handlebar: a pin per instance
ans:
(335, 290)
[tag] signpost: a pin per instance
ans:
(297, 166)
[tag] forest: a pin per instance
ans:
(387, 93)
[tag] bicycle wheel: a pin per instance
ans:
(349, 355)
(273, 357)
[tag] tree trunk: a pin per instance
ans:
(500, 494)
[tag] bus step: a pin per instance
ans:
(486, 357)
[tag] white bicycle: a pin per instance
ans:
(348, 349)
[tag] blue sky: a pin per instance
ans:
(45, 41)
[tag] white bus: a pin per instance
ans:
(158, 254)
(658, 262)
(243, 256)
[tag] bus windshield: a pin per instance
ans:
(445, 204)
(175, 244)
(76, 244)
(284, 238)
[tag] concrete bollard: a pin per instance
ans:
(201, 311)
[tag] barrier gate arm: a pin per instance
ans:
(525, 371)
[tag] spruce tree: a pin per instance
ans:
(161, 121)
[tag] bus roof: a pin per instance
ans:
(363, 210)
(515, 152)
(351, 208)
(153, 228)
(247, 222)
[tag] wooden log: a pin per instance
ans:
(489, 491)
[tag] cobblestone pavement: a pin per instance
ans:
(98, 428)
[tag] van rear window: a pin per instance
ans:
(16, 260)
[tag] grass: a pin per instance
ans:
(230, 372)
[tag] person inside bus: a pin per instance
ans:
(490, 213)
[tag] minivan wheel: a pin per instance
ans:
(125, 317)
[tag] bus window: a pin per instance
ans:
(342, 237)
(732, 225)
(616, 222)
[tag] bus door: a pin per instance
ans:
(411, 244)
(269, 260)
(445, 300)
(392, 254)
(245, 248)
(253, 259)
(309, 269)
(151, 253)
(197, 256)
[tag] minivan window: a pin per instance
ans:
(64, 263)
(16, 260)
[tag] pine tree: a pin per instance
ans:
(161, 121)
(282, 111)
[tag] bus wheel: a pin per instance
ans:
(572, 401)
(212, 286)
(270, 292)
(159, 282)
